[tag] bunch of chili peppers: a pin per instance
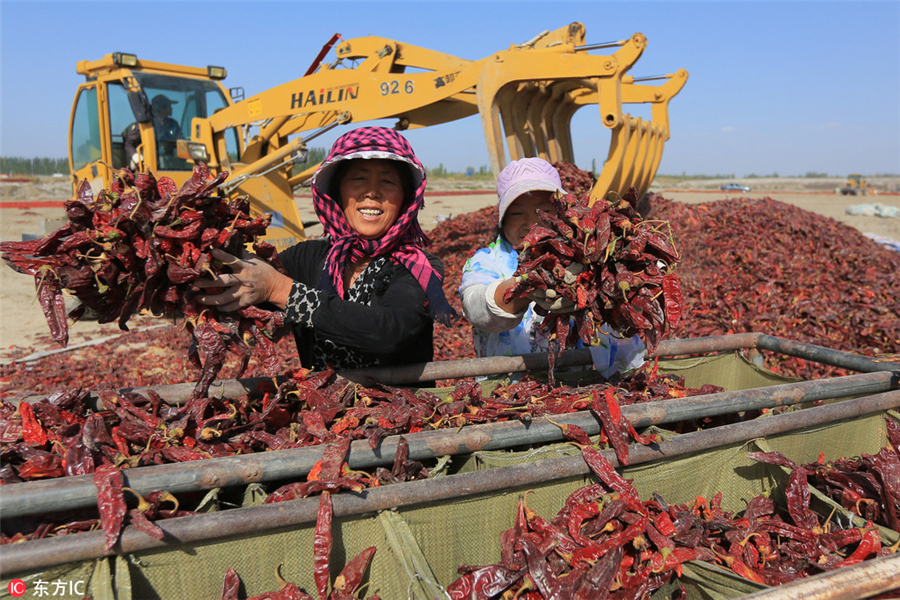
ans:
(604, 542)
(868, 485)
(771, 546)
(607, 543)
(614, 266)
(138, 247)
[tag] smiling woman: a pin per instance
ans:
(366, 293)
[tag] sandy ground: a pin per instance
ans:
(23, 329)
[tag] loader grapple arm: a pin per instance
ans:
(525, 97)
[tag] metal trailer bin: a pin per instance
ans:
(423, 530)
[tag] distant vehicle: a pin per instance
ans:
(734, 187)
(854, 185)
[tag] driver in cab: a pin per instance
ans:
(165, 128)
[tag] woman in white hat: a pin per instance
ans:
(503, 328)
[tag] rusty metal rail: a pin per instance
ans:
(537, 361)
(79, 492)
(453, 369)
(864, 580)
(820, 354)
(40, 554)
(179, 393)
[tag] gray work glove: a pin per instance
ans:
(572, 273)
(550, 301)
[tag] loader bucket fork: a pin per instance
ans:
(525, 96)
(526, 105)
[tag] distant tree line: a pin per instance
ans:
(18, 165)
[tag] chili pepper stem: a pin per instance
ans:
(826, 528)
(442, 402)
(43, 270)
(864, 501)
(143, 505)
(281, 581)
(364, 587)
(527, 585)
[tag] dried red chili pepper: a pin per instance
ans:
(798, 495)
(607, 409)
(868, 546)
(32, 432)
(484, 583)
(351, 575)
(110, 502)
(322, 543)
(231, 586)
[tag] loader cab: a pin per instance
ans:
(118, 97)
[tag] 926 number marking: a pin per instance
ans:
(393, 87)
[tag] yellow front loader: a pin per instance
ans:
(525, 97)
(855, 185)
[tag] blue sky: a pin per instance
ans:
(774, 87)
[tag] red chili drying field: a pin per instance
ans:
(849, 300)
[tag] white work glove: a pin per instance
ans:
(135, 162)
(550, 301)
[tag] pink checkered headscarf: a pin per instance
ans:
(405, 239)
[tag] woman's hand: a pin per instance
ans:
(515, 305)
(251, 281)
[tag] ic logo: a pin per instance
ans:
(16, 588)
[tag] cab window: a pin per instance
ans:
(187, 98)
(120, 119)
(85, 134)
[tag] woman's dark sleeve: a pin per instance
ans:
(303, 262)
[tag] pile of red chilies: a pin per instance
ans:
(59, 436)
(574, 180)
(454, 241)
(764, 265)
(138, 247)
(153, 353)
(613, 265)
(867, 485)
(607, 543)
